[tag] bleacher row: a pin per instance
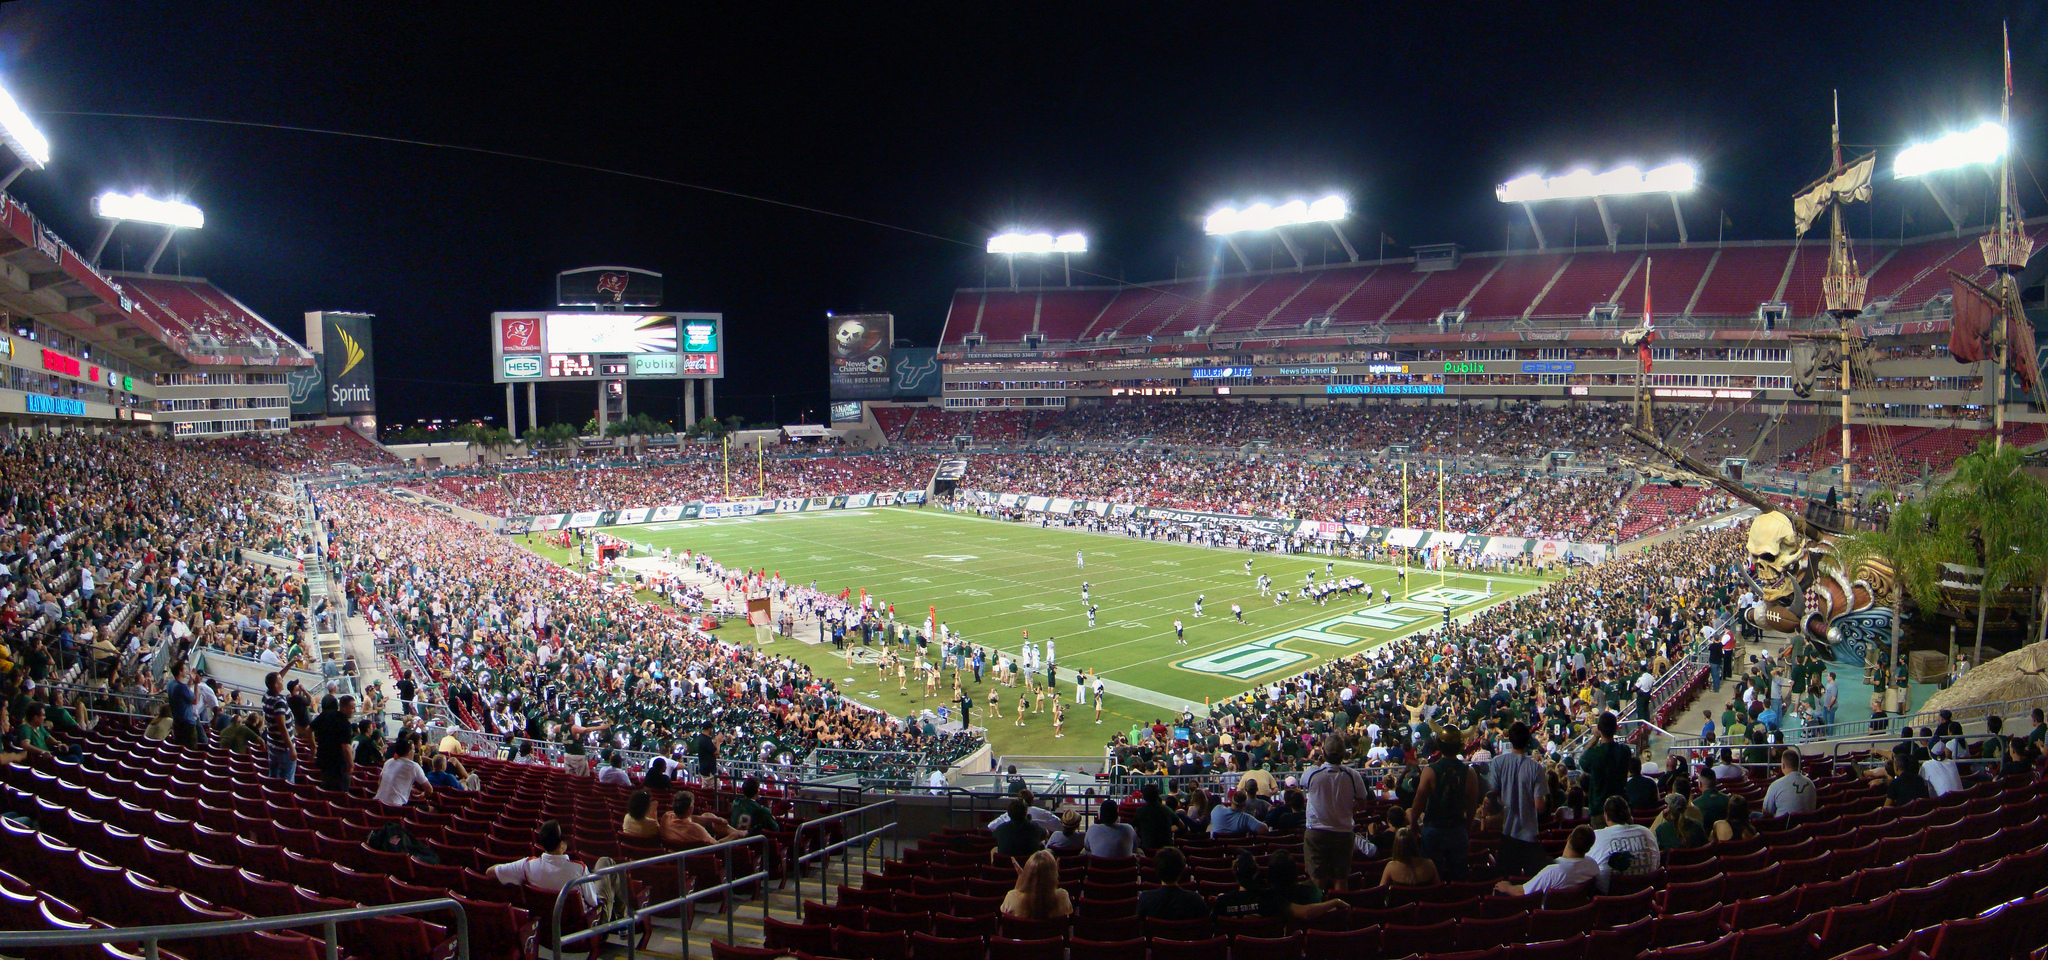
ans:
(197, 309)
(1489, 287)
(144, 832)
(1959, 877)
(1910, 447)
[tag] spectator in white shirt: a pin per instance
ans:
(1940, 772)
(615, 772)
(552, 870)
(401, 775)
(1622, 846)
(1793, 792)
(1571, 871)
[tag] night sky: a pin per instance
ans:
(1126, 121)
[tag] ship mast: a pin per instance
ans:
(2006, 250)
(1842, 290)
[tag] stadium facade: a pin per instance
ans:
(170, 354)
(1449, 326)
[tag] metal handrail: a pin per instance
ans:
(329, 920)
(681, 904)
(797, 861)
(1895, 724)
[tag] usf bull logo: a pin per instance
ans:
(614, 284)
(304, 383)
(912, 377)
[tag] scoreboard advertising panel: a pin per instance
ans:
(554, 345)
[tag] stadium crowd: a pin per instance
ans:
(526, 648)
(115, 546)
(1553, 658)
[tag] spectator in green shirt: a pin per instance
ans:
(1605, 764)
(748, 813)
(239, 735)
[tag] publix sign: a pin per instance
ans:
(1263, 656)
(522, 367)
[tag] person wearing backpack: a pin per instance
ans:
(1446, 797)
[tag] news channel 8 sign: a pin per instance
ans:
(858, 351)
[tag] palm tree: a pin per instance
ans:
(1990, 515)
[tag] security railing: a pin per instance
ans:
(797, 858)
(151, 937)
(636, 916)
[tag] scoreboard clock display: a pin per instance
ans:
(561, 365)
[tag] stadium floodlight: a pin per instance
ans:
(141, 209)
(1670, 179)
(30, 147)
(1985, 144)
(118, 208)
(1261, 216)
(1015, 243)
(1010, 244)
(1582, 184)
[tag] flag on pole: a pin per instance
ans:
(1649, 323)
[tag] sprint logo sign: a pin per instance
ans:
(1263, 656)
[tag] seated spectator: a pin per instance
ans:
(1941, 773)
(1727, 769)
(1407, 867)
(401, 776)
(1677, 826)
(1291, 814)
(452, 745)
(681, 826)
(1736, 825)
(369, 742)
(239, 734)
(160, 728)
(1793, 791)
(1069, 835)
(1037, 895)
(1906, 783)
(1622, 846)
(749, 815)
(552, 870)
(1712, 803)
(1284, 893)
(615, 773)
(657, 775)
(1574, 808)
(1640, 790)
(1109, 839)
(1573, 871)
(1019, 835)
(1232, 820)
(639, 821)
(1170, 900)
(439, 774)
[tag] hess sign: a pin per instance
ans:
(570, 365)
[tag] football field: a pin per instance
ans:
(993, 581)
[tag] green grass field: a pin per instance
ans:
(991, 581)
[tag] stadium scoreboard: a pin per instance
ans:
(557, 345)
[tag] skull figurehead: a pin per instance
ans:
(1780, 554)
